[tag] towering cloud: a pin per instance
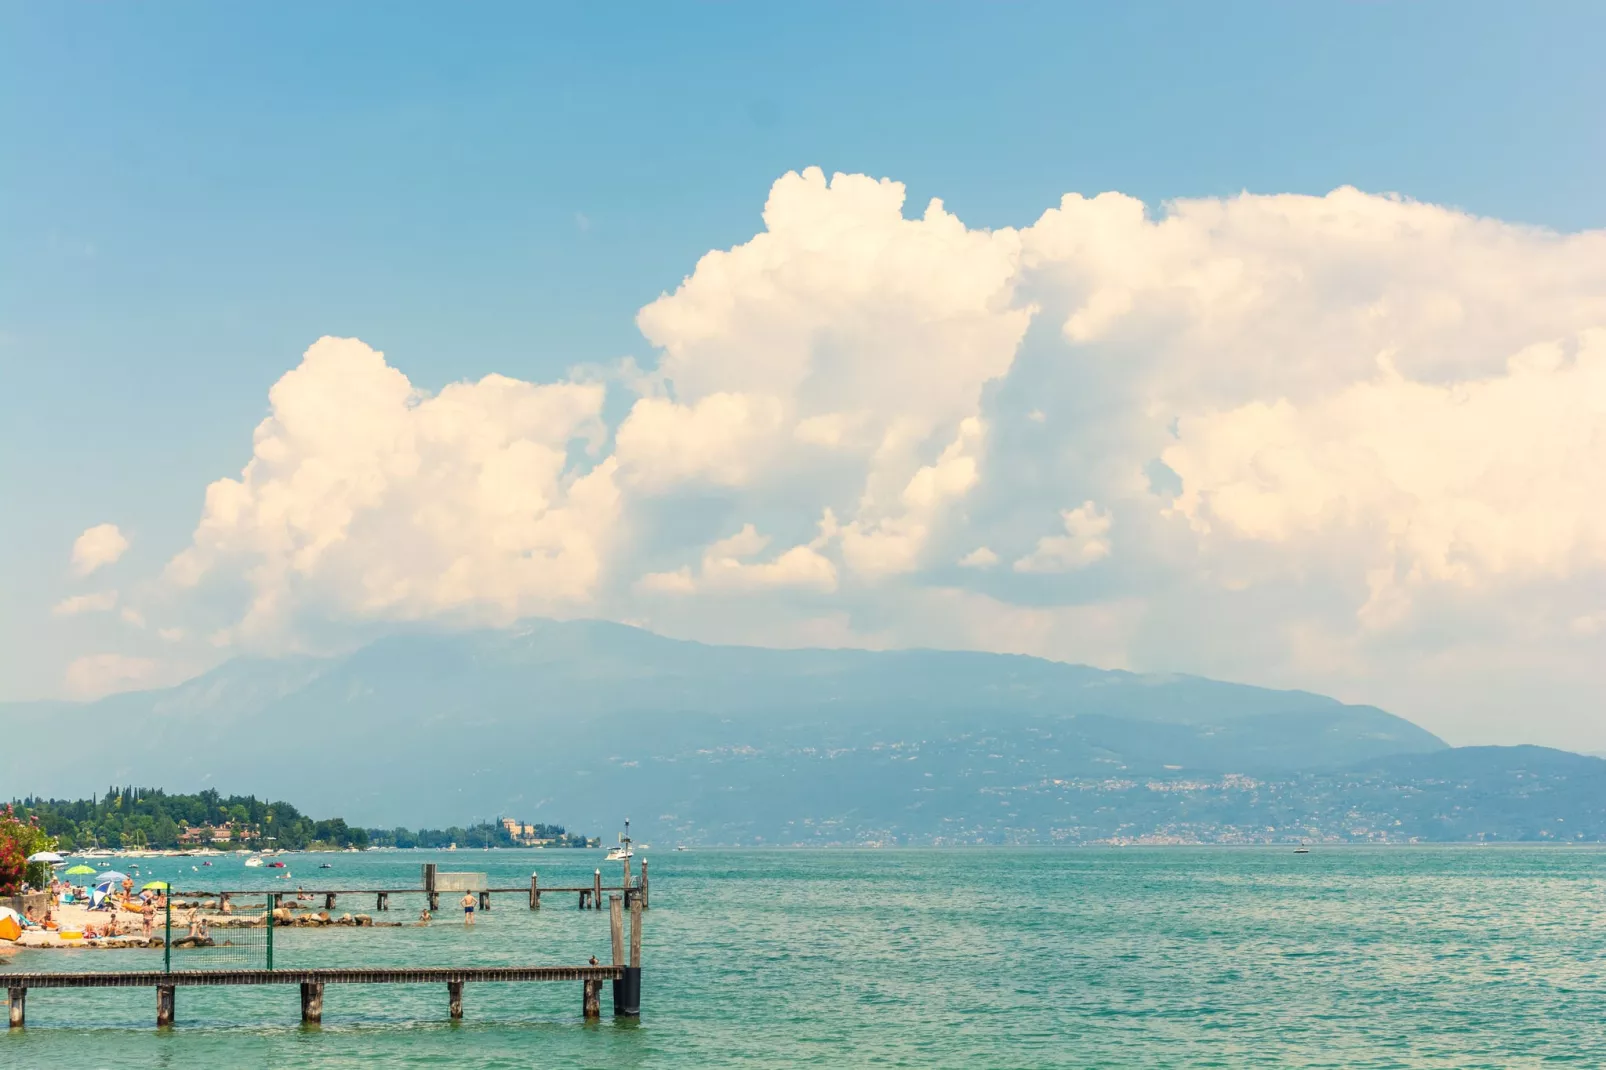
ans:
(1282, 437)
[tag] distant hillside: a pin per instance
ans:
(588, 722)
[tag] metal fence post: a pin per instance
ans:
(270, 934)
(167, 931)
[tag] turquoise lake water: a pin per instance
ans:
(1075, 957)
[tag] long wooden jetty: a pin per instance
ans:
(624, 972)
(590, 896)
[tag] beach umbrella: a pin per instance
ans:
(160, 886)
(79, 871)
(111, 875)
(45, 856)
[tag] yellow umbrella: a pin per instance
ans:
(158, 885)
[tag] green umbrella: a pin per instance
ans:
(79, 871)
(159, 885)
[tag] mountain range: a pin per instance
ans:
(584, 723)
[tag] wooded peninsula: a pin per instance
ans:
(127, 818)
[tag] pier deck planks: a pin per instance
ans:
(401, 975)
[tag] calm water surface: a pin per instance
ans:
(1164, 957)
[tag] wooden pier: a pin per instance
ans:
(590, 896)
(624, 972)
(312, 982)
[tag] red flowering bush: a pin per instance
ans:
(18, 840)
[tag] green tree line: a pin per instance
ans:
(148, 817)
(484, 834)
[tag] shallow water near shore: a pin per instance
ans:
(1076, 957)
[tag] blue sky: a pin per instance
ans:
(195, 193)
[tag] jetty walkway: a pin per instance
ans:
(624, 972)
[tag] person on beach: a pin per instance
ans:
(128, 887)
(468, 908)
(225, 906)
(147, 918)
(112, 928)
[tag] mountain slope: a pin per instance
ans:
(582, 722)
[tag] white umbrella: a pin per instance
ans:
(46, 856)
(111, 875)
(7, 912)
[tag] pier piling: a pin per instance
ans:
(329, 901)
(627, 986)
(429, 887)
(454, 997)
(596, 890)
(485, 900)
(616, 928)
(19, 1006)
(382, 901)
(642, 894)
(312, 1001)
(592, 996)
(164, 1005)
(535, 892)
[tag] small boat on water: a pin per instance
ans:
(681, 847)
(1302, 850)
(619, 854)
(253, 862)
(275, 865)
(325, 865)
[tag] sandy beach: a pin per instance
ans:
(80, 919)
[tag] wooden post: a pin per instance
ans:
(164, 1005)
(642, 895)
(627, 874)
(273, 901)
(616, 919)
(596, 890)
(485, 900)
(429, 887)
(593, 999)
(19, 1007)
(329, 901)
(454, 995)
(312, 1001)
(635, 934)
(535, 892)
(583, 893)
(382, 901)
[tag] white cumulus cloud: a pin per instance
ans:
(98, 546)
(369, 498)
(1325, 441)
(1086, 540)
(99, 602)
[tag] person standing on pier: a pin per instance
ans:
(468, 908)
